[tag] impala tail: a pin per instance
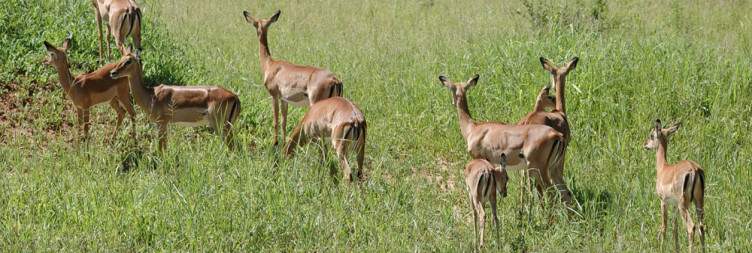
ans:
(336, 89)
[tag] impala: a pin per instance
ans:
(483, 182)
(290, 83)
(87, 90)
(557, 118)
(534, 148)
(338, 119)
(211, 106)
(122, 16)
(681, 183)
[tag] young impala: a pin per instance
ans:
(556, 119)
(290, 83)
(483, 182)
(681, 183)
(535, 148)
(122, 16)
(338, 119)
(90, 89)
(211, 106)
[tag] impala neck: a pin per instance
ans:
(559, 81)
(466, 121)
(264, 55)
(141, 94)
(65, 76)
(660, 155)
(539, 106)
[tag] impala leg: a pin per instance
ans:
(283, 107)
(109, 35)
(136, 33)
(87, 123)
(676, 233)
(495, 218)
(690, 226)
(664, 217)
(557, 176)
(120, 115)
(699, 196)
(275, 109)
(162, 135)
(99, 27)
(298, 138)
(80, 114)
(481, 220)
(125, 102)
(475, 219)
(340, 146)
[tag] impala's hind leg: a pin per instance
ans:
(120, 115)
(340, 144)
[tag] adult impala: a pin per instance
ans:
(484, 184)
(87, 90)
(339, 120)
(557, 118)
(122, 16)
(290, 83)
(681, 183)
(211, 106)
(535, 148)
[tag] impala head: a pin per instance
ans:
(458, 89)
(660, 135)
(127, 65)
(545, 100)
(57, 56)
(262, 25)
(559, 71)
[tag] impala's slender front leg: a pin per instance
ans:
(662, 229)
(275, 109)
(283, 105)
(80, 114)
(162, 135)
(495, 218)
(109, 34)
(124, 102)
(99, 27)
(676, 233)
(297, 138)
(120, 115)
(87, 123)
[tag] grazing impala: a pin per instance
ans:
(338, 119)
(681, 183)
(122, 16)
(289, 83)
(211, 106)
(90, 89)
(483, 182)
(556, 119)
(532, 147)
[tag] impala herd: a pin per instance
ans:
(536, 145)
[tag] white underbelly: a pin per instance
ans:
(191, 117)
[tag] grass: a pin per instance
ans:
(678, 61)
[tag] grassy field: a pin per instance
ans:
(682, 61)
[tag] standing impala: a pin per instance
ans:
(338, 119)
(90, 89)
(556, 119)
(124, 17)
(483, 182)
(681, 183)
(535, 148)
(290, 83)
(211, 106)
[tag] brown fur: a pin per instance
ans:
(167, 104)
(90, 89)
(122, 16)
(338, 119)
(483, 182)
(531, 147)
(290, 83)
(557, 118)
(681, 183)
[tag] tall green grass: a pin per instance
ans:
(678, 61)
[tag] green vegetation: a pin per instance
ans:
(678, 61)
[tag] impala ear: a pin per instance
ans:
(444, 80)
(571, 64)
(68, 42)
(547, 65)
(672, 129)
(249, 18)
(472, 82)
(49, 46)
(658, 125)
(275, 16)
